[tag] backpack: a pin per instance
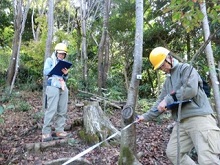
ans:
(206, 87)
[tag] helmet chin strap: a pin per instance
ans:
(170, 62)
(57, 53)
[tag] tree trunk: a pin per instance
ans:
(50, 20)
(128, 136)
(19, 24)
(96, 122)
(218, 70)
(126, 66)
(103, 53)
(84, 44)
(210, 58)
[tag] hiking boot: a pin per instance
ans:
(46, 137)
(62, 135)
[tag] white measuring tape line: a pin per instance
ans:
(96, 145)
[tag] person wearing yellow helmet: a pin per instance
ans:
(158, 56)
(56, 96)
(198, 127)
(61, 48)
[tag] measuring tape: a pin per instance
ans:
(96, 145)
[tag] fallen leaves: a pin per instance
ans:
(21, 129)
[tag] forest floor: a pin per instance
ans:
(20, 128)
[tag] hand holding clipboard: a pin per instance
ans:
(175, 104)
(57, 70)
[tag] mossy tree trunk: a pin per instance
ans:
(128, 136)
(96, 123)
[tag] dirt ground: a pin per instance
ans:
(22, 128)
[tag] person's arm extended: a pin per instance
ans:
(153, 112)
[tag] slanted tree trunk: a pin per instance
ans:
(97, 123)
(20, 15)
(128, 136)
(210, 59)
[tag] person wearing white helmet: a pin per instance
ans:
(198, 127)
(56, 96)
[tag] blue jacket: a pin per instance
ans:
(53, 80)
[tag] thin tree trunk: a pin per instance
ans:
(84, 44)
(218, 70)
(50, 21)
(103, 54)
(210, 58)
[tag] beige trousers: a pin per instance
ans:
(200, 132)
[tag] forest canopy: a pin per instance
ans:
(172, 24)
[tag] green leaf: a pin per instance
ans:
(200, 15)
(1, 109)
(177, 16)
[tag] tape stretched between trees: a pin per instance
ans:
(96, 145)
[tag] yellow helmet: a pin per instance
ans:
(61, 48)
(158, 56)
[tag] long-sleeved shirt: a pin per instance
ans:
(50, 64)
(175, 82)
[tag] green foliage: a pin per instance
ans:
(61, 11)
(123, 17)
(116, 92)
(27, 34)
(214, 10)
(4, 63)
(72, 84)
(189, 13)
(39, 115)
(144, 105)
(1, 112)
(6, 20)
(31, 85)
(161, 28)
(6, 36)
(5, 51)
(14, 101)
(1, 109)
(23, 106)
(148, 85)
(31, 63)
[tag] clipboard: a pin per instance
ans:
(175, 105)
(59, 66)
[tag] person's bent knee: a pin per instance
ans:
(171, 155)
